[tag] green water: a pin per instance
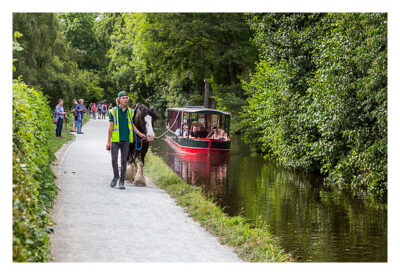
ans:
(312, 222)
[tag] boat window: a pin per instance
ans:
(201, 118)
(173, 121)
(186, 118)
(214, 121)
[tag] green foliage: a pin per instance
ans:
(79, 29)
(165, 57)
(350, 95)
(49, 63)
(39, 33)
(16, 47)
(33, 181)
(318, 98)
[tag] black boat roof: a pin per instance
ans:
(200, 110)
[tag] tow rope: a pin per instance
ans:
(170, 126)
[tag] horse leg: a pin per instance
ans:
(131, 157)
(131, 165)
(139, 178)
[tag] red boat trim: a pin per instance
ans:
(193, 150)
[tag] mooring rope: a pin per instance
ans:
(170, 126)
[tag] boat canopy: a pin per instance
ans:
(199, 110)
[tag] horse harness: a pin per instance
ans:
(134, 133)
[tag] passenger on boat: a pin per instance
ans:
(203, 133)
(178, 132)
(222, 135)
(213, 133)
(195, 133)
(185, 131)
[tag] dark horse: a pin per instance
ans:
(144, 121)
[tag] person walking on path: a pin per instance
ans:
(90, 110)
(94, 110)
(59, 113)
(99, 110)
(104, 111)
(81, 115)
(75, 120)
(120, 134)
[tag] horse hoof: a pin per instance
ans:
(140, 182)
(130, 172)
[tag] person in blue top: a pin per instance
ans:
(59, 113)
(81, 114)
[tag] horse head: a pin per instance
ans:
(144, 121)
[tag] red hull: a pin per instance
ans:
(194, 150)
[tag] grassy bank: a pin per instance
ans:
(56, 143)
(251, 243)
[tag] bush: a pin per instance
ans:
(33, 180)
(318, 97)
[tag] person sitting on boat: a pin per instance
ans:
(178, 132)
(213, 133)
(203, 133)
(222, 135)
(185, 131)
(195, 133)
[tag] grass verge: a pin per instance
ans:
(252, 243)
(56, 143)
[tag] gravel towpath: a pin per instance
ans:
(97, 223)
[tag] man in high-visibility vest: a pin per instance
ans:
(120, 134)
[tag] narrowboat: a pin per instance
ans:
(198, 130)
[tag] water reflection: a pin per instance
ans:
(208, 171)
(315, 223)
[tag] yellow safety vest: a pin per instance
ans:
(115, 133)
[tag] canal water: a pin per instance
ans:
(312, 222)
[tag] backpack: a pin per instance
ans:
(55, 118)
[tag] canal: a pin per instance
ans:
(312, 222)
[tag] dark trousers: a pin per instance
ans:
(115, 147)
(59, 127)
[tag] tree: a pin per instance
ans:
(48, 62)
(80, 32)
(318, 96)
(171, 55)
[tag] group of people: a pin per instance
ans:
(99, 110)
(198, 131)
(78, 114)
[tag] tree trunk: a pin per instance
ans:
(206, 91)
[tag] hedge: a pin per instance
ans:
(33, 181)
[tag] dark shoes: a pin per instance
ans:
(79, 132)
(114, 182)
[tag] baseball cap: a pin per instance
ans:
(122, 93)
